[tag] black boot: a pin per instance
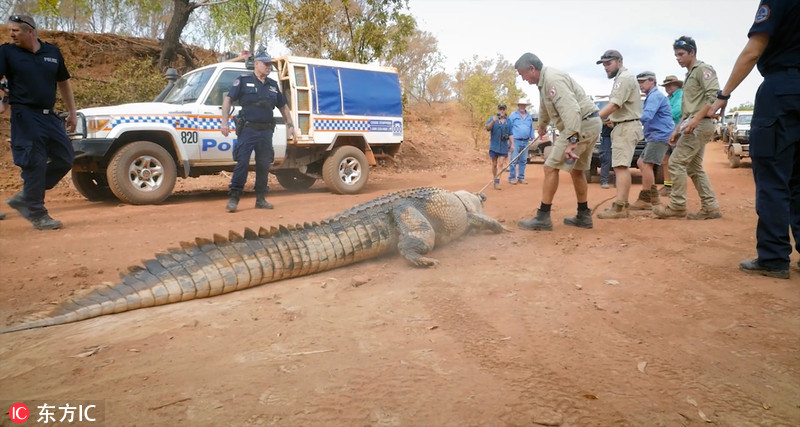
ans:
(233, 201)
(541, 222)
(18, 203)
(583, 219)
(45, 222)
(262, 203)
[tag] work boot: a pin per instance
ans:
(522, 181)
(512, 182)
(619, 210)
(752, 266)
(665, 191)
(44, 222)
(654, 200)
(582, 220)
(233, 201)
(662, 211)
(604, 185)
(541, 222)
(17, 202)
(262, 203)
(705, 213)
(642, 203)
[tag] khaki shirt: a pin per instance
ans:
(626, 95)
(563, 101)
(699, 89)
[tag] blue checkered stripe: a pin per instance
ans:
(178, 122)
(339, 124)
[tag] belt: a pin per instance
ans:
(260, 125)
(782, 70)
(626, 121)
(37, 109)
(591, 115)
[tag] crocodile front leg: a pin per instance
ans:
(416, 236)
(479, 221)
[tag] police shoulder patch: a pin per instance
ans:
(708, 74)
(762, 14)
(552, 92)
(236, 82)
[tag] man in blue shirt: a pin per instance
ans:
(521, 134)
(658, 125)
(774, 133)
(499, 131)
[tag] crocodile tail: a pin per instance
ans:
(209, 267)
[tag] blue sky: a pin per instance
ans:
(572, 34)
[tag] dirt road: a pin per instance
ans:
(635, 322)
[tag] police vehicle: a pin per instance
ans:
(348, 117)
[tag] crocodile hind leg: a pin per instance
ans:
(416, 236)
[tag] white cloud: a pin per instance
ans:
(572, 34)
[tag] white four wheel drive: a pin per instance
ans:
(347, 116)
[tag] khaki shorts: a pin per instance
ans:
(624, 138)
(590, 129)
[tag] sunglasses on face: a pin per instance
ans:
(18, 19)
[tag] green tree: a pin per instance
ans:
(480, 84)
(244, 19)
(346, 30)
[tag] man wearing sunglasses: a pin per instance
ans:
(39, 143)
(691, 136)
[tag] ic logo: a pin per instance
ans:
(18, 413)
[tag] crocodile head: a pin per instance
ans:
(473, 202)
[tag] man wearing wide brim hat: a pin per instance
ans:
(674, 88)
(521, 132)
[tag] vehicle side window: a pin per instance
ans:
(222, 86)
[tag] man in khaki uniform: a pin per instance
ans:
(563, 102)
(624, 109)
(691, 136)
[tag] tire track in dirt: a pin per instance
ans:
(537, 390)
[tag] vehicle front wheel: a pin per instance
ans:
(733, 159)
(346, 170)
(142, 173)
(294, 180)
(93, 186)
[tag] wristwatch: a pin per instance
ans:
(722, 97)
(572, 140)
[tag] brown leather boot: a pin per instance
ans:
(618, 210)
(654, 200)
(643, 202)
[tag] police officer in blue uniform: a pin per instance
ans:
(39, 142)
(258, 95)
(774, 44)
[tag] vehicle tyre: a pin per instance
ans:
(659, 175)
(546, 152)
(346, 170)
(294, 180)
(734, 160)
(93, 186)
(142, 173)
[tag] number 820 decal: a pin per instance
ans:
(189, 138)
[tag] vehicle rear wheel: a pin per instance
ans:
(93, 186)
(142, 173)
(294, 180)
(733, 159)
(346, 170)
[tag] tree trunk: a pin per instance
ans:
(172, 36)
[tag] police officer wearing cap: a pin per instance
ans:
(773, 44)
(39, 142)
(258, 95)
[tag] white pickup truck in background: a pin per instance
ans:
(347, 115)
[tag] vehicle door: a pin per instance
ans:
(215, 147)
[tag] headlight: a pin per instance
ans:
(97, 124)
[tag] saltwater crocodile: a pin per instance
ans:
(410, 221)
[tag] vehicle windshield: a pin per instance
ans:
(744, 119)
(188, 88)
